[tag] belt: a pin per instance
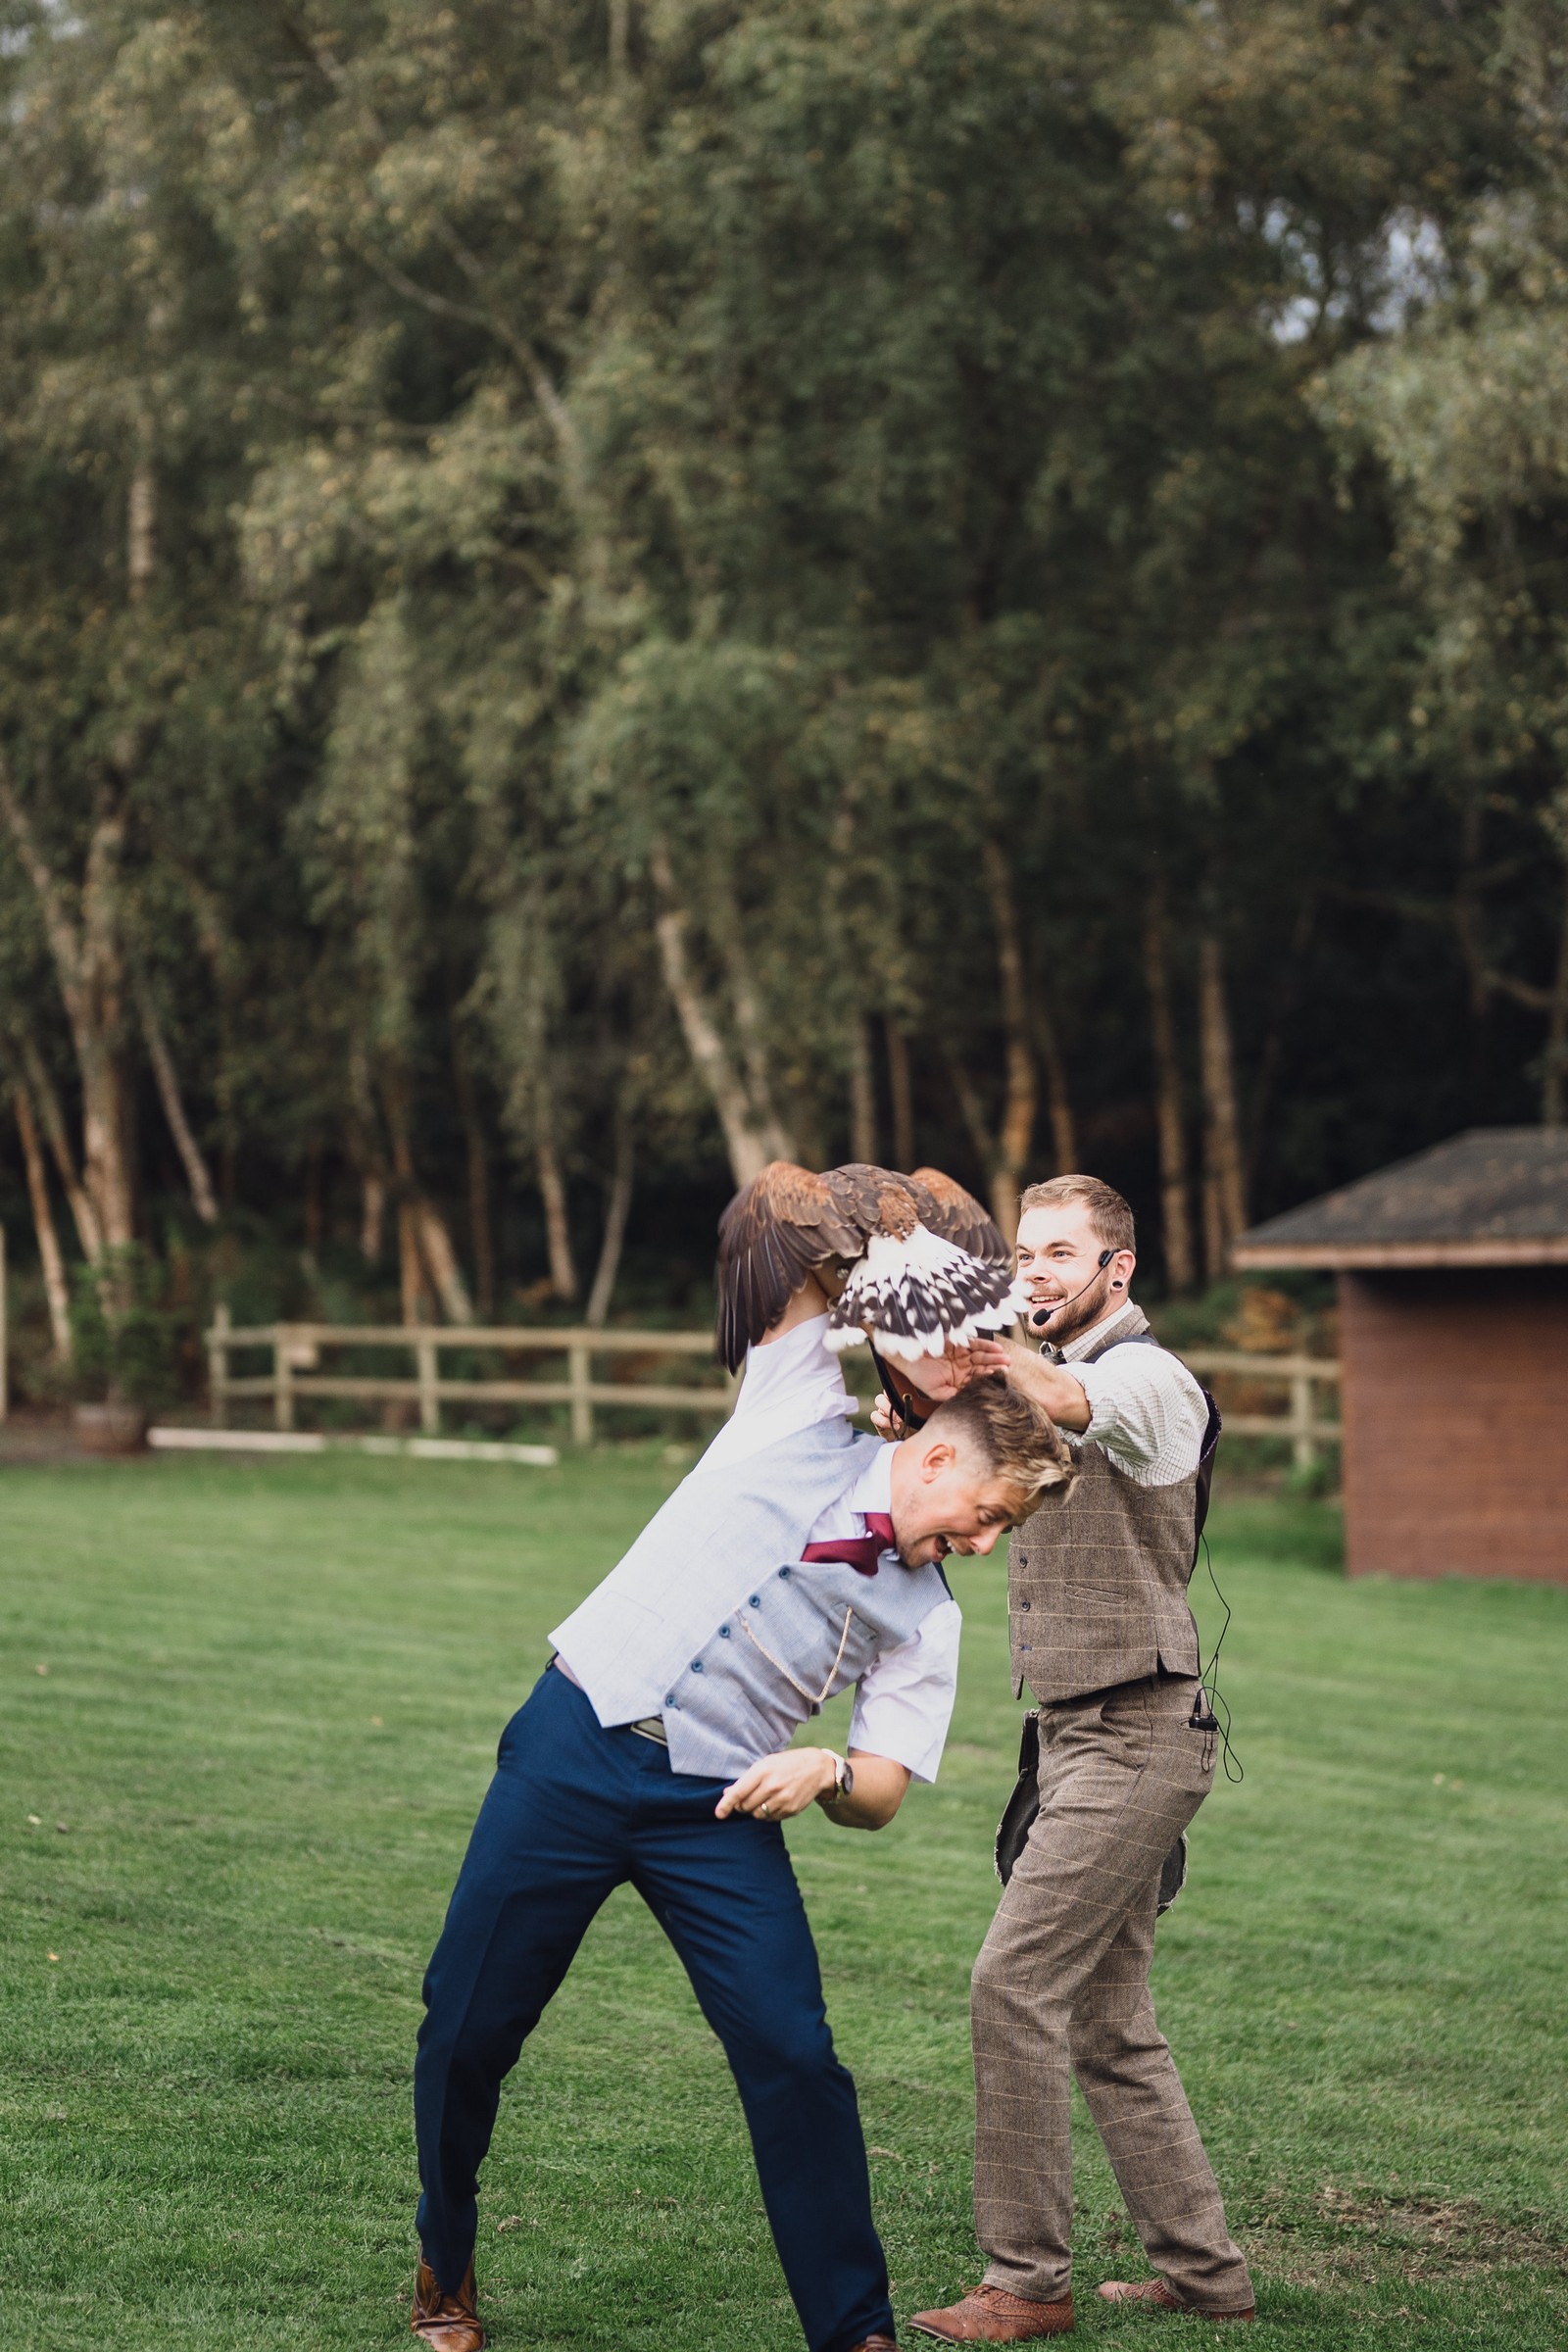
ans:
(648, 1727)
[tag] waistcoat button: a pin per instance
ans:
(697, 1665)
(783, 1575)
(669, 1699)
(1023, 1559)
(723, 1633)
(1023, 1605)
(755, 1601)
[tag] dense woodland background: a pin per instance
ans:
(590, 595)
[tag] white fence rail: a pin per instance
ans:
(296, 1375)
(1299, 1375)
(296, 1349)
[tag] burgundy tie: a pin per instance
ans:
(859, 1552)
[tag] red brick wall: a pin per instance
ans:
(1456, 1404)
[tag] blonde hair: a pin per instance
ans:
(1019, 1440)
(1109, 1216)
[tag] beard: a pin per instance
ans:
(1072, 1318)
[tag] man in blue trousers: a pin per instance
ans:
(797, 1560)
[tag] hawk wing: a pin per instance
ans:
(947, 1208)
(775, 1232)
(876, 1199)
(936, 1271)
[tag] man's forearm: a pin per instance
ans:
(1047, 1385)
(878, 1792)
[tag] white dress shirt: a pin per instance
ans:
(903, 1702)
(1145, 1407)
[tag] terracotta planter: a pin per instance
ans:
(110, 1428)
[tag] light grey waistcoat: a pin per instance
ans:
(714, 1622)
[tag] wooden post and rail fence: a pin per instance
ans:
(296, 1376)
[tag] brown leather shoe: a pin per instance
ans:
(1158, 2295)
(875, 2343)
(989, 2315)
(448, 2322)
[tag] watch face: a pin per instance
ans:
(847, 1781)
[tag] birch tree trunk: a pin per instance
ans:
(617, 1207)
(46, 1101)
(97, 1025)
(862, 1091)
(902, 1090)
(619, 39)
(751, 1138)
(56, 1290)
(420, 1224)
(552, 1193)
(1224, 1182)
(221, 962)
(141, 519)
(1176, 1216)
(747, 1020)
(1059, 1101)
(410, 1272)
(373, 1215)
(167, 1079)
(440, 1260)
(89, 967)
(314, 1217)
(479, 1227)
(1009, 1156)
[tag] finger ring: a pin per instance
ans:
(763, 1812)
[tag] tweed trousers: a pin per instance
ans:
(1061, 1989)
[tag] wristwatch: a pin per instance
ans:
(843, 1779)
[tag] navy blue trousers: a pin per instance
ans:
(573, 1812)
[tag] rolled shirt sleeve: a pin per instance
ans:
(905, 1700)
(1146, 1411)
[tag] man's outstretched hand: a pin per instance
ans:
(940, 1376)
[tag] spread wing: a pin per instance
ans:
(947, 1208)
(876, 1199)
(935, 1272)
(775, 1232)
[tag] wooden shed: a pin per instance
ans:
(1454, 1319)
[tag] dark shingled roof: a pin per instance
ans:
(1497, 1195)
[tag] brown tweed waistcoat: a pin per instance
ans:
(1096, 1585)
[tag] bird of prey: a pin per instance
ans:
(914, 1261)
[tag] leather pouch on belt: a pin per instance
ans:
(1022, 1809)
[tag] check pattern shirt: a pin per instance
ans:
(1145, 1407)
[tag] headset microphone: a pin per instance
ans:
(1040, 1316)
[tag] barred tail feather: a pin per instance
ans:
(915, 1295)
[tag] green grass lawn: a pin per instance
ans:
(249, 1714)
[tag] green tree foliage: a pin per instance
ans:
(1467, 415)
(604, 593)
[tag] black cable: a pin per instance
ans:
(1209, 1680)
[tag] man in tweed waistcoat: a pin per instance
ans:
(1104, 1638)
(796, 1561)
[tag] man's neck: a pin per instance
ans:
(1086, 1332)
(807, 1302)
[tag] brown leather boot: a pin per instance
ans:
(1156, 2295)
(448, 2322)
(989, 2315)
